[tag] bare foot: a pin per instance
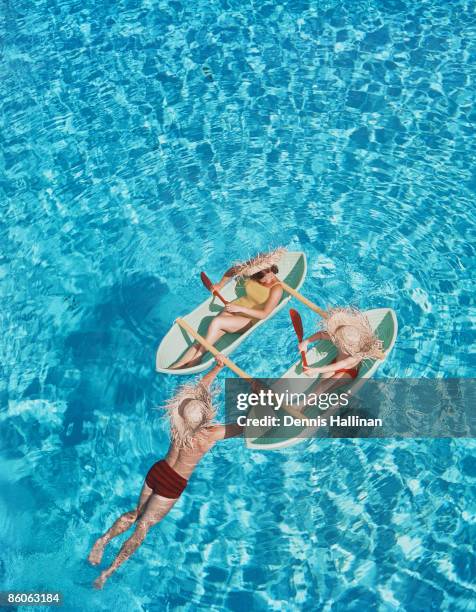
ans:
(178, 366)
(193, 353)
(96, 553)
(193, 362)
(99, 582)
(183, 365)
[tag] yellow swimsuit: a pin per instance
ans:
(256, 296)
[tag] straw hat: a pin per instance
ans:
(262, 261)
(190, 411)
(351, 332)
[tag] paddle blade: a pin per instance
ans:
(297, 323)
(298, 328)
(206, 281)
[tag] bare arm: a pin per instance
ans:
(317, 336)
(212, 374)
(320, 335)
(229, 430)
(227, 276)
(259, 313)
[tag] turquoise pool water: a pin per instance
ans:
(146, 141)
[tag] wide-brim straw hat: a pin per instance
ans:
(260, 262)
(183, 429)
(365, 344)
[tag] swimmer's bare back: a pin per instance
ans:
(184, 460)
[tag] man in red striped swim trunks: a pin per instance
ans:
(191, 415)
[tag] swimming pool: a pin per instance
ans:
(146, 141)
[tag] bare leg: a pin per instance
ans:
(222, 324)
(325, 383)
(191, 354)
(157, 507)
(122, 524)
(330, 379)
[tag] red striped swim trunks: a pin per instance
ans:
(165, 481)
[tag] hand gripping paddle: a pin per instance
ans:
(297, 324)
(209, 285)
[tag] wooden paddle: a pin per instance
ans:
(298, 328)
(209, 285)
(229, 363)
(303, 299)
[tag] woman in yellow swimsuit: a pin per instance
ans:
(263, 294)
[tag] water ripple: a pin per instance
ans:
(145, 142)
